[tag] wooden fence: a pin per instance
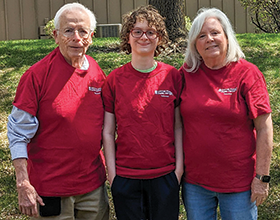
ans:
(21, 19)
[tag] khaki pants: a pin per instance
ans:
(90, 206)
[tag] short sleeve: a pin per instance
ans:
(27, 94)
(256, 94)
(108, 96)
(178, 85)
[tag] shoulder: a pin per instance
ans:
(246, 69)
(95, 68)
(167, 67)
(92, 61)
(183, 70)
(246, 65)
(120, 71)
(43, 64)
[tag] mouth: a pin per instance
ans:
(143, 44)
(211, 47)
(73, 47)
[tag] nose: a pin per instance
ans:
(210, 37)
(76, 35)
(144, 34)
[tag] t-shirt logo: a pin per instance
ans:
(164, 93)
(227, 91)
(97, 91)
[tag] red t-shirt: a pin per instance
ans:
(143, 104)
(64, 156)
(218, 108)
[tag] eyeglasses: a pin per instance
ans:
(70, 32)
(151, 34)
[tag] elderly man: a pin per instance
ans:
(55, 127)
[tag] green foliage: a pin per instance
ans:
(265, 14)
(188, 23)
(17, 56)
(49, 28)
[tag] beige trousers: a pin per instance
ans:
(90, 206)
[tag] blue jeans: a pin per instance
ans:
(201, 204)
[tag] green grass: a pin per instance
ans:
(17, 56)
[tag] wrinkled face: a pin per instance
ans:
(146, 44)
(212, 42)
(73, 46)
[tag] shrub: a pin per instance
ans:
(49, 28)
(188, 23)
(265, 14)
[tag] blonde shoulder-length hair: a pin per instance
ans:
(192, 57)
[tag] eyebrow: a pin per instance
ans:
(142, 29)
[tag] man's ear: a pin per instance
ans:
(55, 33)
(55, 36)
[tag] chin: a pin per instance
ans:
(76, 55)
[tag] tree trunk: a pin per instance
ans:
(173, 11)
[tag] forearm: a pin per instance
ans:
(263, 125)
(21, 172)
(110, 156)
(109, 144)
(264, 144)
(179, 152)
(178, 134)
(264, 148)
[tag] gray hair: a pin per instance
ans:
(192, 57)
(72, 6)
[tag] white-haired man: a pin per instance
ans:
(55, 127)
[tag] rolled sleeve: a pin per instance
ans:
(21, 127)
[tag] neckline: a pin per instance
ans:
(147, 70)
(144, 75)
(204, 67)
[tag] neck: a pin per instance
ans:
(143, 63)
(214, 64)
(76, 62)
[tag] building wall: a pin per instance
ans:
(21, 19)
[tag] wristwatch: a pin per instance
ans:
(264, 178)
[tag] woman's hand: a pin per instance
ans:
(259, 191)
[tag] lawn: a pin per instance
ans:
(17, 56)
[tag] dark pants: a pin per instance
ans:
(142, 199)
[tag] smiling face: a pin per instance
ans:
(212, 44)
(143, 46)
(73, 48)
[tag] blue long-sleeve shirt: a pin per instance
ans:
(21, 127)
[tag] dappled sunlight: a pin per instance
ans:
(17, 56)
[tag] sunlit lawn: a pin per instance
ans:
(17, 56)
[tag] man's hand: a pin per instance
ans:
(28, 198)
(259, 191)
(27, 195)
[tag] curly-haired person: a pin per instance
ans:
(141, 98)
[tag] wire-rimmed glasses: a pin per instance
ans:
(70, 32)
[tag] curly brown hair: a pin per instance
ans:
(153, 18)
